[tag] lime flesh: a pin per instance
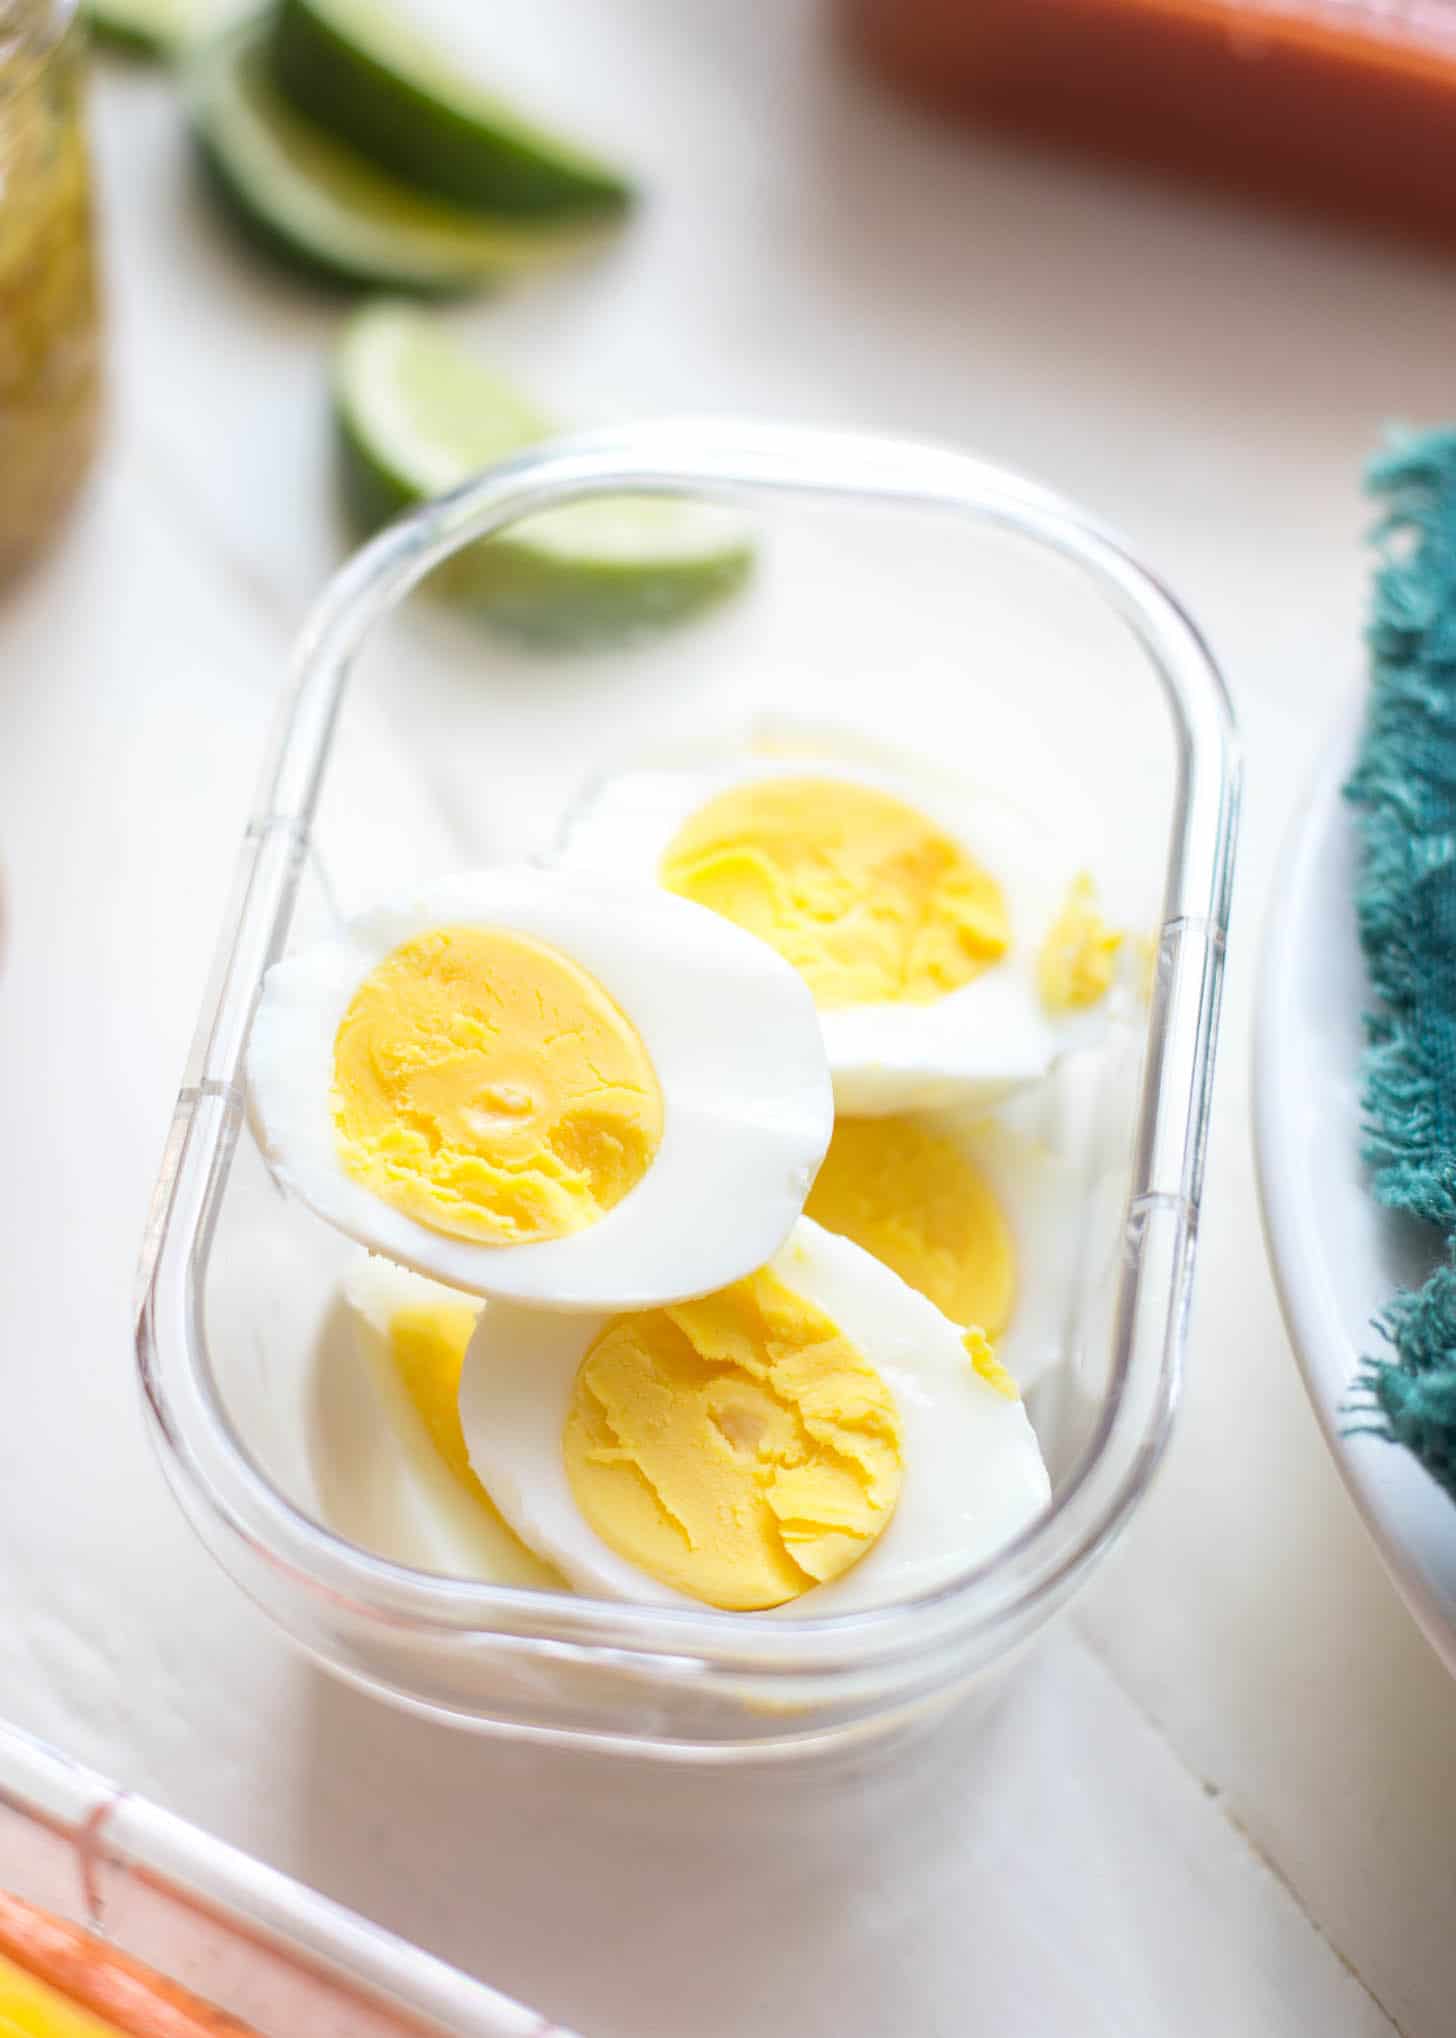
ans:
(418, 415)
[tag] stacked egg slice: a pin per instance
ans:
(704, 1266)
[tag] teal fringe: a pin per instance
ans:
(1411, 1399)
(1404, 788)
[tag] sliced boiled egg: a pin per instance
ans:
(815, 1437)
(979, 1217)
(534, 1085)
(953, 944)
(387, 1452)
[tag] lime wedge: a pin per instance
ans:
(418, 415)
(162, 28)
(151, 27)
(316, 202)
(358, 70)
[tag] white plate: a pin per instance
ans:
(1337, 1257)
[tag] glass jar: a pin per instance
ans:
(49, 303)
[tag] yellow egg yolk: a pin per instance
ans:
(427, 1344)
(1075, 967)
(909, 1195)
(986, 1363)
(487, 1086)
(739, 1448)
(870, 901)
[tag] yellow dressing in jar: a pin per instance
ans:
(49, 306)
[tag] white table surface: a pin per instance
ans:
(1224, 1798)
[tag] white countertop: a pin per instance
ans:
(1224, 1797)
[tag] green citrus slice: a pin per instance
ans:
(152, 27)
(417, 414)
(361, 72)
(318, 203)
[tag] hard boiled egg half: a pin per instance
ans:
(815, 1437)
(953, 944)
(535, 1085)
(385, 1445)
(982, 1219)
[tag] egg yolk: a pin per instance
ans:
(990, 1368)
(1077, 959)
(912, 1198)
(869, 901)
(739, 1448)
(427, 1343)
(487, 1086)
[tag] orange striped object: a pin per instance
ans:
(59, 1981)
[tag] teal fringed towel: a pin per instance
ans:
(1404, 788)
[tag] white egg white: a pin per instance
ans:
(381, 1480)
(973, 1472)
(974, 1045)
(732, 1035)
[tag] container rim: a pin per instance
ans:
(985, 1609)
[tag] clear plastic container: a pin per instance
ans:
(236, 1933)
(979, 616)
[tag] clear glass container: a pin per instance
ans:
(238, 1934)
(972, 612)
(50, 320)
